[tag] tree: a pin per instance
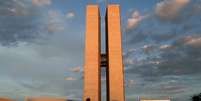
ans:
(196, 97)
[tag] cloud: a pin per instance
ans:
(41, 2)
(165, 46)
(37, 51)
(192, 41)
(76, 69)
(170, 9)
(70, 15)
(148, 48)
(153, 29)
(129, 61)
(36, 43)
(55, 21)
(26, 30)
(161, 49)
(31, 26)
(158, 51)
(16, 8)
(47, 72)
(20, 22)
(19, 89)
(130, 83)
(182, 59)
(134, 20)
(70, 79)
(173, 89)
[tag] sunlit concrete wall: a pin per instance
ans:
(114, 37)
(92, 69)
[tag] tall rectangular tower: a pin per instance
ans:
(111, 60)
(114, 51)
(92, 89)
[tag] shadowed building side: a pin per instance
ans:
(114, 50)
(92, 75)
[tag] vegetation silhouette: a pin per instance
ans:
(196, 97)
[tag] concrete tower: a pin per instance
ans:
(114, 50)
(92, 76)
(111, 60)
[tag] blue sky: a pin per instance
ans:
(42, 46)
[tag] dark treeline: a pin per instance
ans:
(196, 97)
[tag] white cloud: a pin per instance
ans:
(41, 2)
(70, 15)
(70, 78)
(165, 46)
(148, 48)
(193, 41)
(76, 69)
(134, 20)
(56, 21)
(17, 8)
(169, 9)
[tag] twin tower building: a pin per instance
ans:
(111, 59)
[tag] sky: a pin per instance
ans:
(42, 48)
